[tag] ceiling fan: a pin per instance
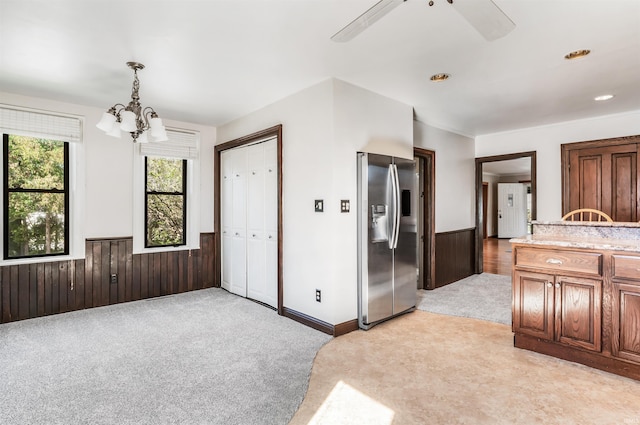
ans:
(483, 15)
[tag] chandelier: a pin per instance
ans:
(140, 122)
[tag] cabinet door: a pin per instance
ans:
(533, 304)
(626, 320)
(578, 312)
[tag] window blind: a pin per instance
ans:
(181, 144)
(42, 124)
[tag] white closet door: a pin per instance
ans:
(239, 223)
(271, 222)
(255, 224)
(226, 201)
(249, 221)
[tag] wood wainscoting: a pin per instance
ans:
(40, 289)
(454, 255)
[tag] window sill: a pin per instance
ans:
(37, 260)
(165, 249)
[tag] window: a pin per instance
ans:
(165, 201)
(36, 197)
(166, 205)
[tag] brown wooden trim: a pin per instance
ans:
(595, 360)
(565, 150)
(275, 131)
(312, 322)
(428, 205)
(345, 327)
(479, 219)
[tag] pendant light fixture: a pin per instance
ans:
(141, 123)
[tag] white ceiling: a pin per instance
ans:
(211, 61)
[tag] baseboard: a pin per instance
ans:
(322, 326)
(312, 322)
(345, 327)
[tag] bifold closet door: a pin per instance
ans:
(262, 233)
(234, 218)
(249, 221)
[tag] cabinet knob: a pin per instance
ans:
(270, 236)
(557, 285)
(549, 284)
(237, 234)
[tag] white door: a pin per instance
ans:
(249, 221)
(239, 222)
(512, 210)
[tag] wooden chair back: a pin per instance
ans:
(586, 214)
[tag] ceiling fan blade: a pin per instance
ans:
(486, 17)
(365, 20)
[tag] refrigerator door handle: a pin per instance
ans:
(395, 183)
(391, 223)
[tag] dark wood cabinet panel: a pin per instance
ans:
(579, 312)
(602, 174)
(533, 304)
(454, 258)
(39, 289)
(626, 320)
(573, 261)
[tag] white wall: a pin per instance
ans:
(546, 140)
(108, 207)
(323, 128)
(455, 176)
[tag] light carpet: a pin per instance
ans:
(425, 368)
(481, 296)
(204, 357)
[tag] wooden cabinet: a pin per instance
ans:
(581, 305)
(562, 308)
(626, 307)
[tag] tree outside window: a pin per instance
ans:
(166, 201)
(36, 197)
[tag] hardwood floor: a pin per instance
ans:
(497, 256)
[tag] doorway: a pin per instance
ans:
(270, 133)
(486, 215)
(425, 174)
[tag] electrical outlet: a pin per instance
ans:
(344, 206)
(318, 296)
(114, 278)
(319, 204)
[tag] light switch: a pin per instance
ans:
(344, 206)
(319, 205)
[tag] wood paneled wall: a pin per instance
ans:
(40, 289)
(454, 256)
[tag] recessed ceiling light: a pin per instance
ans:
(439, 77)
(577, 54)
(603, 97)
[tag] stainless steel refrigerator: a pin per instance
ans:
(387, 231)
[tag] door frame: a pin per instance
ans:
(275, 131)
(428, 208)
(479, 250)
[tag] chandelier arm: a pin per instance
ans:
(146, 112)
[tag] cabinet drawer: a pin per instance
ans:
(572, 261)
(626, 266)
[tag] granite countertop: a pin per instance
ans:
(580, 242)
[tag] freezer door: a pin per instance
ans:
(405, 253)
(375, 280)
